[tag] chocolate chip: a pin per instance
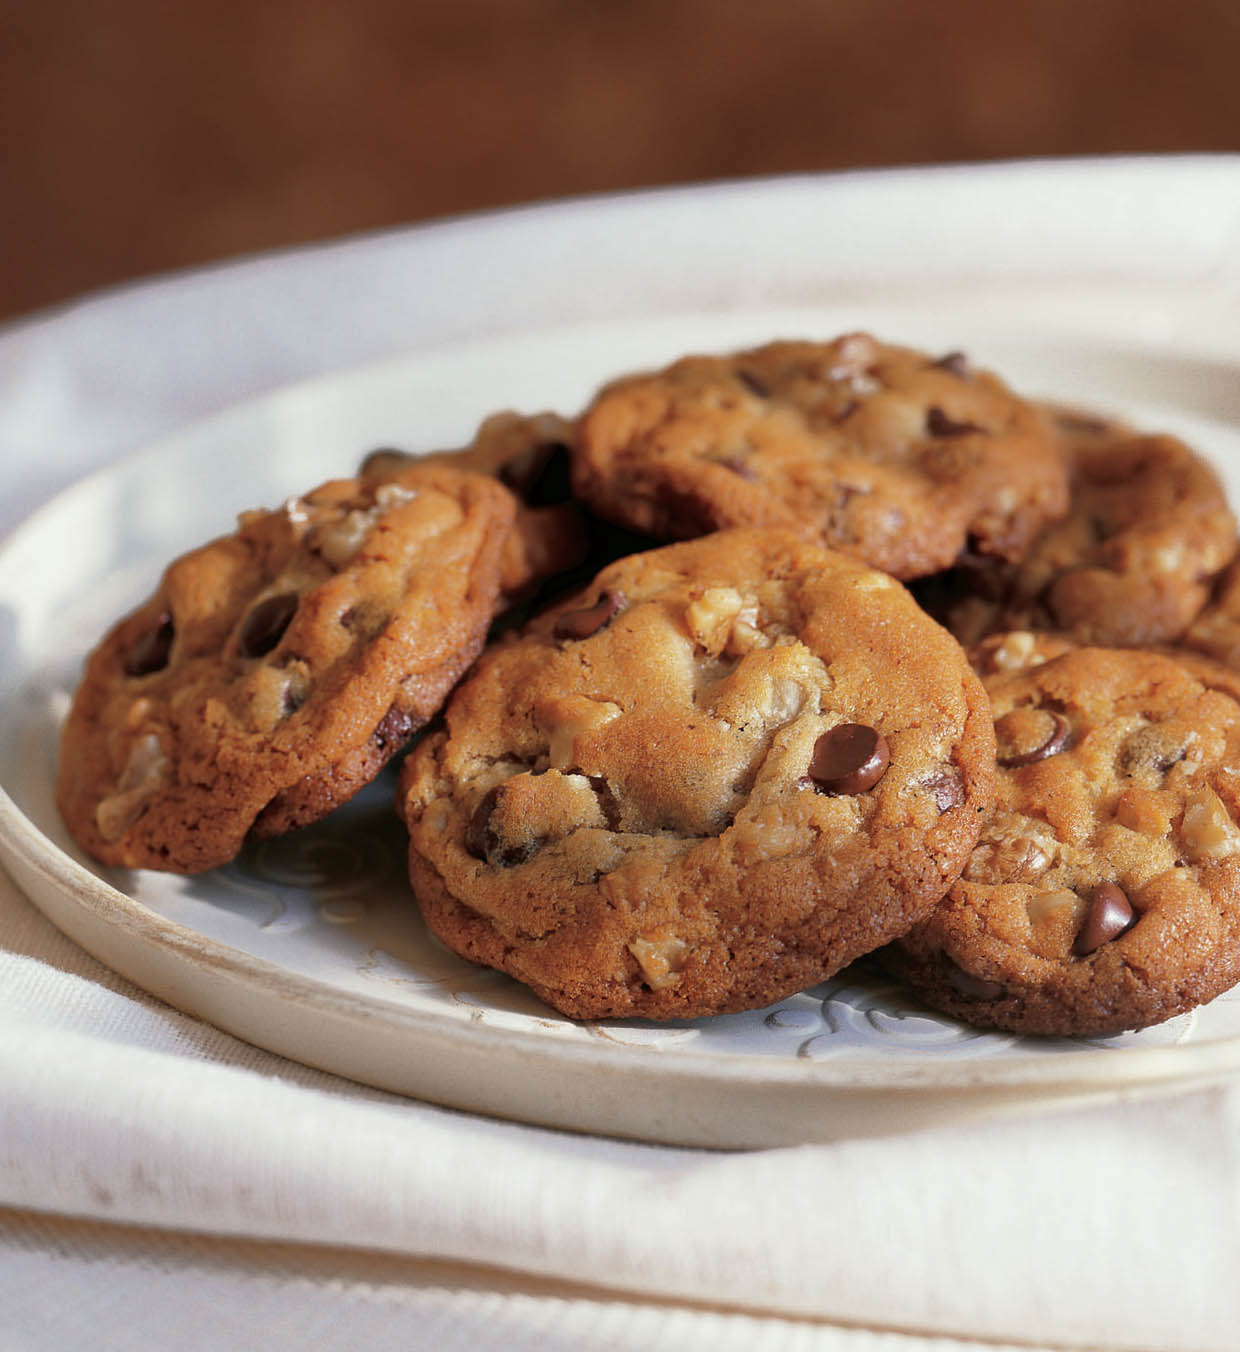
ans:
(151, 651)
(938, 424)
(540, 474)
(264, 626)
(579, 624)
(1152, 750)
(956, 363)
(477, 832)
(1110, 914)
(849, 758)
(754, 384)
(394, 730)
(946, 787)
(970, 986)
(485, 843)
(1028, 735)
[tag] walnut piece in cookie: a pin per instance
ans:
(1017, 650)
(275, 671)
(717, 775)
(894, 456)
(1104, 891)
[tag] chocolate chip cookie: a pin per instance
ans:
(717, 775)
(276, 670)
(1104, 891)
(893, 456)
(529, 454)
(1132, 562)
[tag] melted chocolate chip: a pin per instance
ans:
(264, 626)
(150, 653)
(754, 384)
(938, 424)
(478, 830)
(849, 758)
(1151, 750)
(540, 474)
(956, 363)
(394, 730)
(582, 623)
(484, 842)
(1028, 735)
(1110, 914)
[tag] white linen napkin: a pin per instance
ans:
(1116, 1227)
(84, 1284)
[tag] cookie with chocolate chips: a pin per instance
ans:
(720, 773)
(528, 454)
(1104, 891)
(276, 670)
(1131, 564)
(898, 458)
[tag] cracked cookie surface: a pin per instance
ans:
(1104, 892)
(716, 776)
(276, 670)
(888, 454)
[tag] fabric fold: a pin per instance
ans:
(1059, 1229)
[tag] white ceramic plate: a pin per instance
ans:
(311, 946)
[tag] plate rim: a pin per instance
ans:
(23, 843)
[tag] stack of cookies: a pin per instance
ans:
(759, 664)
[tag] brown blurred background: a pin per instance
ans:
(140, 135)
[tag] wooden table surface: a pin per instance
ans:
(141, 135)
